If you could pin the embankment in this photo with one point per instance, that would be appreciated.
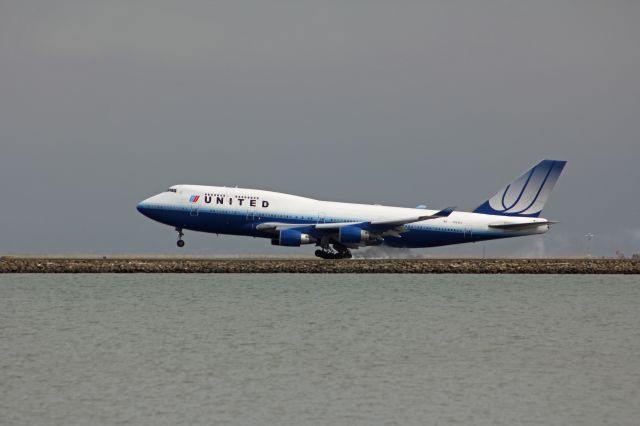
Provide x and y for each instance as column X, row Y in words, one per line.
column 313, row 266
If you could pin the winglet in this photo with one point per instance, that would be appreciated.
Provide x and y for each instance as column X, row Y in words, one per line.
column 445, row 212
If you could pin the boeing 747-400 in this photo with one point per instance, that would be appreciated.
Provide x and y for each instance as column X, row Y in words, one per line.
column 290, row 220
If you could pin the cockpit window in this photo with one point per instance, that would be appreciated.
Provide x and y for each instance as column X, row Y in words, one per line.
column 172, row 190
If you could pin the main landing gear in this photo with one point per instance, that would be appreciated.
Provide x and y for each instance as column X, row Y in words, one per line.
column 338, row 252
column 324, row 254
column 180, row 242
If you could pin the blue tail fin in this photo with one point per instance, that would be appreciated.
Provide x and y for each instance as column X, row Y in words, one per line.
column 526, row 195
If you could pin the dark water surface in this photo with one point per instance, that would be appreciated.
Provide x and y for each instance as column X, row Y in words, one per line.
column 328, row 349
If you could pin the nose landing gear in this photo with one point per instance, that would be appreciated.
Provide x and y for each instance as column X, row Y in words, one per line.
column 180, row 242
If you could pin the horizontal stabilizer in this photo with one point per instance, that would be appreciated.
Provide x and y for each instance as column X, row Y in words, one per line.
column 520, row 226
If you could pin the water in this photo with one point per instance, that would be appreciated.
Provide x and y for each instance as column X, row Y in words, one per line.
column 328, row 349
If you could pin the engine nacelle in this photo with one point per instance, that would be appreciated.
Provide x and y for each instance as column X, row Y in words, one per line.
column 292, row 238
column 353, row 235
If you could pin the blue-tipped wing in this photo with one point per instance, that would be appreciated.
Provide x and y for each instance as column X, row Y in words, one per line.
column 526, row 195
column 374, row 226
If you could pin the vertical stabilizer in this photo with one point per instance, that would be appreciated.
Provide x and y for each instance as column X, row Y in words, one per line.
column 526, row 195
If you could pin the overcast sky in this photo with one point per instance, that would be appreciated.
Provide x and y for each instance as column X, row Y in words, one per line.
column 104, row 103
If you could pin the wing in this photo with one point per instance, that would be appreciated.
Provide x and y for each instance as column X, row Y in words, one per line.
column 398, row 222
column 379, row 228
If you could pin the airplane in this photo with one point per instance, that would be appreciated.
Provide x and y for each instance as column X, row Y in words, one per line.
column 336, row 228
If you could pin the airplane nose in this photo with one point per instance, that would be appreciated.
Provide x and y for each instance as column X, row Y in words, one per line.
column 153, row 207
column 144, row 207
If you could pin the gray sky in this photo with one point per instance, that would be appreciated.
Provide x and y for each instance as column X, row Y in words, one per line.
column 441, row 103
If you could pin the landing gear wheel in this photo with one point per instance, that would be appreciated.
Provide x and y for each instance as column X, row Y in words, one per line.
column 180, row 242
column 343, row 251
column 326, row 254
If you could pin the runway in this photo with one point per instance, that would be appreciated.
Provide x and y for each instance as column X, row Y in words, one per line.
column 312, row 266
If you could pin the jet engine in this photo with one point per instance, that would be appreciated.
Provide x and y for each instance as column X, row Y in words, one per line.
column 292, row 238
column 353, row 235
